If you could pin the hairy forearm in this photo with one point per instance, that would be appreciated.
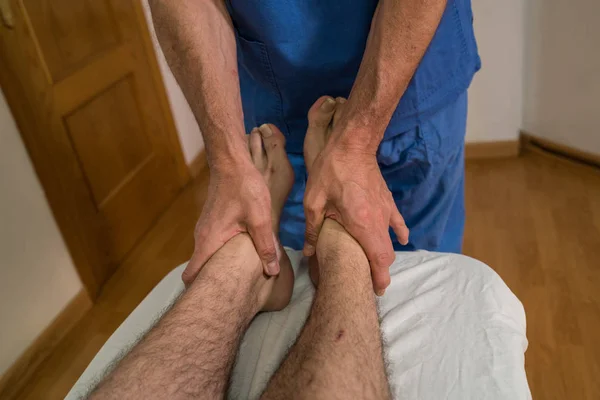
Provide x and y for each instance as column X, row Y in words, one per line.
column 339, row 352
column 198, row 41
column 400, row 34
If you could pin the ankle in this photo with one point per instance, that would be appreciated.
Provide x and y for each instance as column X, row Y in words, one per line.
column 335, row 248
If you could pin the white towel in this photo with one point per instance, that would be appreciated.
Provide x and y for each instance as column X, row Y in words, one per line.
column 453, row 330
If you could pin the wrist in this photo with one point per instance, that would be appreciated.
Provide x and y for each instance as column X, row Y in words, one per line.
column 350, row 151
column 355, row 137
column 229, row 162
column 226, row 149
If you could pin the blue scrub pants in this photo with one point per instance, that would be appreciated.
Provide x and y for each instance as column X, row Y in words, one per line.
column 424, row 170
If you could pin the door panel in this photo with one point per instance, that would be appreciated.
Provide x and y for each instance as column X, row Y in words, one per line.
column 82, row 81
column 85, row 83
column 110, row 127
column 70, row 33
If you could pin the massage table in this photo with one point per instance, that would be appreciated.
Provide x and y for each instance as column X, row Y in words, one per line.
column 452, row 330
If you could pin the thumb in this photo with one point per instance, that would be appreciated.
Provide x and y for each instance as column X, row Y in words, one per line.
column 380, row 264
column 192, row 268
column 315, row 215
column 266, row 246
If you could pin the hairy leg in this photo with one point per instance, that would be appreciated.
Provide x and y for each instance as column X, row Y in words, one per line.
column 339, row 354
column 190, row 352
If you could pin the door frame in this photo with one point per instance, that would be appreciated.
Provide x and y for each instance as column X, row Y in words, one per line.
column 55, row 187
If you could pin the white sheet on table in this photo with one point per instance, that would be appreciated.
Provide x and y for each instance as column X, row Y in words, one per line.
column 453, row 330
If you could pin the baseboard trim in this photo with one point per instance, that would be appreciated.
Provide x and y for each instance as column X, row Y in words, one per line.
column 490, row 150
column 18, row 375
column 198, row 164
column 528, row 140
column 473, row 151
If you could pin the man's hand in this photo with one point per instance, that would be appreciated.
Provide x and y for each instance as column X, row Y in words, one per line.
column 346, row 184
column 238, row 201
column 199, row 43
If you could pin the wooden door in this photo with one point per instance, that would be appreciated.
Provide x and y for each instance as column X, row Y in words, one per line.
column 83, row 84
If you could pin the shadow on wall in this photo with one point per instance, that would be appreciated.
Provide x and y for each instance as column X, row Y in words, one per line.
column 187, row 127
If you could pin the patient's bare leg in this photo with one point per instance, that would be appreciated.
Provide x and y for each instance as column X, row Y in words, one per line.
column 190, row 352
column 339, row 352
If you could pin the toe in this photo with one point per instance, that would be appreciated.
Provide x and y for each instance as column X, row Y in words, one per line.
column 320, row 117
column 257, row 150
column 280, row 174
column 339, row 108
column 321, row 113
column 274, row 142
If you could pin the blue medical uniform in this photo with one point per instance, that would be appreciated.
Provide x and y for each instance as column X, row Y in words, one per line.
column 291, row 52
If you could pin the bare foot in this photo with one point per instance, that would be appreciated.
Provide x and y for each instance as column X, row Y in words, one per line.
column 322, row 116
column 267, row 149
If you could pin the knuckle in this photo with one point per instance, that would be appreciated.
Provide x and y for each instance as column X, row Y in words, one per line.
column 309, row 225
column 312, row 229
column 261, row 224
column 311, row 237
column 188, row 276
column 383, row 281
column 361, row 220
column 363, row 214
column 310, row 222
column 309, row 198
column 390, row 196
column 383, row 259
column 268, row 252
column 311, row 210
column 311, row 233
column 392, row 258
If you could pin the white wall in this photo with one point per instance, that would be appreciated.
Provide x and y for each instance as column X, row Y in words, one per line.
column 562, row 72
column 496, row 94
column 187, row 127
column 37, row 276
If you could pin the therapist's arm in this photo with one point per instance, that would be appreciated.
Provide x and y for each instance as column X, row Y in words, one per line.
column 198, row 41
column 400, row 34
column 346, row 183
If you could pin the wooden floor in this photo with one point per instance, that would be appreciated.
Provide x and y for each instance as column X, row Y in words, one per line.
column 168, row 244
column 535, row 220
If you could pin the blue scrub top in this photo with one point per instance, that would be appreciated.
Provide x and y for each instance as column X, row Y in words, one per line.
column 291, row 52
